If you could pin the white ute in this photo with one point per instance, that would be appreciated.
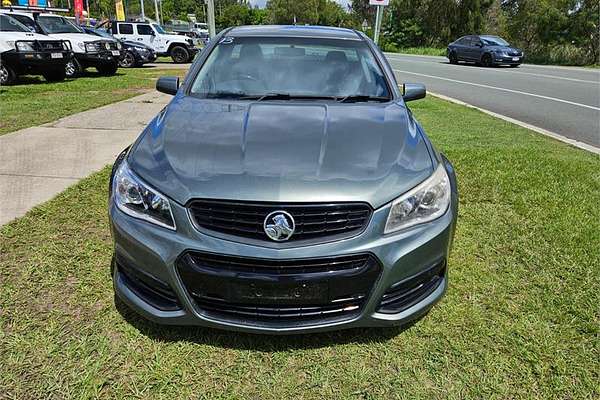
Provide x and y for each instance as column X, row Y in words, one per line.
column 88, row 50
column 24, row 52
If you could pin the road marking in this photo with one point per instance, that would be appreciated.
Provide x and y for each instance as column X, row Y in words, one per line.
column 501, row 89
column 507, row 71
column 550, row 76
column 572, row 142
column 579, row 69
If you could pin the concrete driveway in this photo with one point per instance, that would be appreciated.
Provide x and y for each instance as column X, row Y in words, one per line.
column 38, row 163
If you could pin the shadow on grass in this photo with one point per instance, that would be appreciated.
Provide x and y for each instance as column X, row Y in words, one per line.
column 39, row 80
column 257, row 342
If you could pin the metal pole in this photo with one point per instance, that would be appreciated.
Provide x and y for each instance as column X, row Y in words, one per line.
column 87, row 6
column 211, row 18
column 377, row 24
column 142, row 10
column 156, row 11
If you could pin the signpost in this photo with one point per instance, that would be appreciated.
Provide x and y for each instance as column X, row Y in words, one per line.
column 210, row 18
column 379, row 4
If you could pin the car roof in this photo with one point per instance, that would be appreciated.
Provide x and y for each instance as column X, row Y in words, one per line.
column 312, row 31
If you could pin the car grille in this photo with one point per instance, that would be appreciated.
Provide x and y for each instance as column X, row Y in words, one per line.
column 317, row 221
column 50, row 45
column 288, row 292
column 105, row 46
column 408, row 292
column 514, row 53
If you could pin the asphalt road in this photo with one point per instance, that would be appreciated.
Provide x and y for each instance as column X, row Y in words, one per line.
column 561, row 100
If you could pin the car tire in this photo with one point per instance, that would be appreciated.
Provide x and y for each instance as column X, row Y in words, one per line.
column 55, row 75
column 128, row 60
column 179, row 54
column 486, row 60
column 73, row 68
column 453, row 58
column 7, row 75
column 107, row 69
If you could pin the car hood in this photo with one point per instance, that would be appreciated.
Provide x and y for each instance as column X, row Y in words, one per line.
column 130, row 43
column 79, row 37
column 174, row 38
column 282, row 151
column 14, row 36
column 505, row 48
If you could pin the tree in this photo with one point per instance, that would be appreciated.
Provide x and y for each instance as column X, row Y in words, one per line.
column 313, row 12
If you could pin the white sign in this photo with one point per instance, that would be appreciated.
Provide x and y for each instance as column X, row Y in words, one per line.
column 379, row 2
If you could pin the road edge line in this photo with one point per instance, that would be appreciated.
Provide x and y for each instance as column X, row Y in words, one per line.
column 545, row 132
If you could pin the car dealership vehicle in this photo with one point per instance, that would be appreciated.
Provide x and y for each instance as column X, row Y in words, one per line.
column 285, row 188
column 23, row 52
column 88, row 50
column 133, row 54
column 486, row 50
column 180, row 48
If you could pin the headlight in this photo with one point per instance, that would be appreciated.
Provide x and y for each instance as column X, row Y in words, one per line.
column 91, row 47
column 25, row 46
column 119, row 46
column 135, row 198
column 81, row 45
column 426, row 202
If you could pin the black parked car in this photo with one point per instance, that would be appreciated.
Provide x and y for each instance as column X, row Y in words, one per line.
column 133, row 54
column 484, row 50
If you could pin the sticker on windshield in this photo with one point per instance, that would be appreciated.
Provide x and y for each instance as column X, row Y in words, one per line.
column 226, row 40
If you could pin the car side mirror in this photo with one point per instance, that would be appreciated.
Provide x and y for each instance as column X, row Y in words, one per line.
column 168, row 84
column 413, row 91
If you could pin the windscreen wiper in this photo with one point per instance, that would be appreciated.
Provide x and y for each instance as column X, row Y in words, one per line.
column 288, row 96
column 224, row 94
column 354, row 98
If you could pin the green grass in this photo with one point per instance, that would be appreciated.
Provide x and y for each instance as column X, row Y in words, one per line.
column 33, row 101
column 423, row 51
column 520, row 319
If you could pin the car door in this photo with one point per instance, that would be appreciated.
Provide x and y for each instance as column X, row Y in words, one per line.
column 460, row 48
column 476, row 48
column 124, row 31
column 145, row 34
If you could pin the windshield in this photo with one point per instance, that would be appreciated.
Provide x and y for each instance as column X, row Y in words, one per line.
column 8, row 24
column 308, row 67
column 57, row 25
column 159, row 29
column 101, row 32
column 494, row 41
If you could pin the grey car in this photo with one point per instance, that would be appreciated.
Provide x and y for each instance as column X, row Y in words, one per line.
column 485, row 50
column 285, row 188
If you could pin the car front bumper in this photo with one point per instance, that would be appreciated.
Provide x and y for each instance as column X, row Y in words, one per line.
column 102, row 57
column 147, row 272
column 36, row 60
column 508, row 60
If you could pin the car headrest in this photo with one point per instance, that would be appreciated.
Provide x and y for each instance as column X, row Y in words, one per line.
column 251, row 51
column 336, row 56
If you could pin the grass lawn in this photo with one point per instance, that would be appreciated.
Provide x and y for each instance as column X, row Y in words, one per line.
column 33, row 101
column 520, row 319
column 422, row 51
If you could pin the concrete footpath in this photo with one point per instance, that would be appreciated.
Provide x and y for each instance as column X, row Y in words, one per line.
column 38, row 163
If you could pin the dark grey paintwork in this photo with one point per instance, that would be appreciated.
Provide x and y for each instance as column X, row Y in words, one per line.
column 282, row 151
column 293, row 151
